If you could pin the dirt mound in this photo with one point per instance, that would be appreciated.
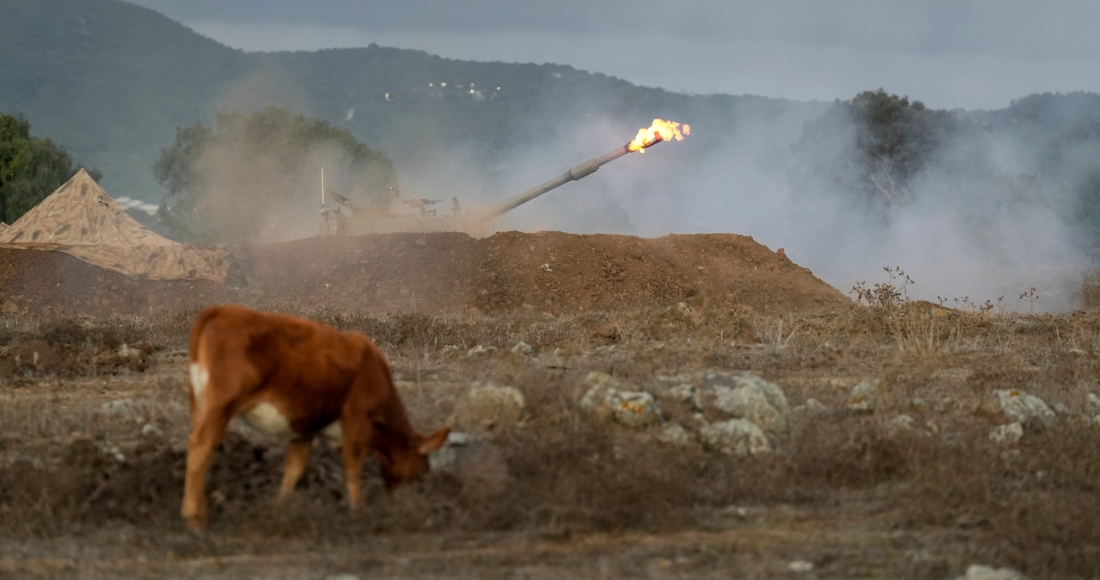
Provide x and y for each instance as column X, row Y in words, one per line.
column 546, row 271
column 453, row 273
column 36, row 280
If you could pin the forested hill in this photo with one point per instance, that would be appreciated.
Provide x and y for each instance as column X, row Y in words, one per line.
column 108, row 80
column 111, row 81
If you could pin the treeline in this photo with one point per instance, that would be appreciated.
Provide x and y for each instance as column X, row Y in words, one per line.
column 882, row 152
column 254, row 175
column 30, row 168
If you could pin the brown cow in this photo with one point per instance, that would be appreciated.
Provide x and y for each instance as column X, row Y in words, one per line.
column 296, row 378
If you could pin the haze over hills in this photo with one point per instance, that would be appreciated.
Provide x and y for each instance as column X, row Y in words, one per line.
column 111, row 81
column 994, row 201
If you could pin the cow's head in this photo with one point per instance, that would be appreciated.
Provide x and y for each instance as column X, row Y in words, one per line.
column 408, row 461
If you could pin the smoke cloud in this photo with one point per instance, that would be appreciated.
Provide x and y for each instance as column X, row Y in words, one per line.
column 968, row 233
column 974, row 231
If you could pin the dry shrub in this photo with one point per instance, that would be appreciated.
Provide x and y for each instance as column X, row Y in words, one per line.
column 566, row 475
column 94, row 332
column 1034, row 506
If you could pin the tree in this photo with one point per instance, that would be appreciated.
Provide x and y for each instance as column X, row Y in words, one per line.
column 257, row 176
column 877, row 146
column 1061, row 133
column 30, row 169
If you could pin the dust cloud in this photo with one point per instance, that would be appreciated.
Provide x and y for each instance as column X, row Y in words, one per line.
column 268, row 195
column 966, row 234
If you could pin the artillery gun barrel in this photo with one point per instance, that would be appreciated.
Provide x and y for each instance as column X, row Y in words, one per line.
column 578, row 171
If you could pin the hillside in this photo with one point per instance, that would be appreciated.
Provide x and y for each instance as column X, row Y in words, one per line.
column 111, row 81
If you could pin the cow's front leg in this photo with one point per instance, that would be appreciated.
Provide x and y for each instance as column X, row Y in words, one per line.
column 206, row 432
column 356, row 442
column 297, row 456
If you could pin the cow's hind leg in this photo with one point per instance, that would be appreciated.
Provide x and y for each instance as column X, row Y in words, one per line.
column 297, row 456
column 207, row 429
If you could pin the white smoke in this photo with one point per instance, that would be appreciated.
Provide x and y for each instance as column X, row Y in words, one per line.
column 961, row 236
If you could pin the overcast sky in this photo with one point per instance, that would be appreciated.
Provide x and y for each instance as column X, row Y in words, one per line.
column 947, row 53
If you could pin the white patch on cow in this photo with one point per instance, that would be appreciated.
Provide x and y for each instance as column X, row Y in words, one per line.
column 199, row 378
column 266, row 417
column 334, row 432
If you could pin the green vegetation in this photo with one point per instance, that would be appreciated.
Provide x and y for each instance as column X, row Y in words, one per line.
column 30, row 169
column 249, row 172
column 876, row 146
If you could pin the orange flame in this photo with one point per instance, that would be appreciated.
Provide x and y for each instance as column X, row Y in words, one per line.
column 660, row 130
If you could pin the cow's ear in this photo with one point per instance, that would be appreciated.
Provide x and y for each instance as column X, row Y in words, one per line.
column 434, row 441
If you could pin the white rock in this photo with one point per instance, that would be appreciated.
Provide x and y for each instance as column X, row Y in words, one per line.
column 901, row 423
column 812, row 407
column 750, row 403
column 596, row 380
column 475, row 460
column 815, row 407
column 747, row 396
column 733, row 511
column 979, row 572
column 633, row 408
column 490, row 404
column 676, row 435
column 1023, row 408
column 800, row 566
column 118, row 407
column 862, row 399
column 151, row 430
column 1007, row 434
column 735, row 437
column 627, row 407
column 1092, row 405
column 687, row 393
column 480, row 350
column 447, row 456
column 107, row 447
column 522, row 348
column 125, row 351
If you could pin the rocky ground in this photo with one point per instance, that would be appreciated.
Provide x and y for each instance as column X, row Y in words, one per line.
column 680, row 440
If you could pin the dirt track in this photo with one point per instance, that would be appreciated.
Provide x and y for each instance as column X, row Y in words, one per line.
column 449, row 273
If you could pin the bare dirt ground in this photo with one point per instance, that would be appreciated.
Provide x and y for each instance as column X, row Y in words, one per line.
column 92, row 447
column 444, row 273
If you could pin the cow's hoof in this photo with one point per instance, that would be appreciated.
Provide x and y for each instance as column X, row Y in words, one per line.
column 196, row 525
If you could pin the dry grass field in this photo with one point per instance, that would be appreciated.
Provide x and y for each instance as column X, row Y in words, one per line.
column 92, row 451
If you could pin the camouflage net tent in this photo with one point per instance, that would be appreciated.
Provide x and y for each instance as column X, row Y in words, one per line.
column 80, row 219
